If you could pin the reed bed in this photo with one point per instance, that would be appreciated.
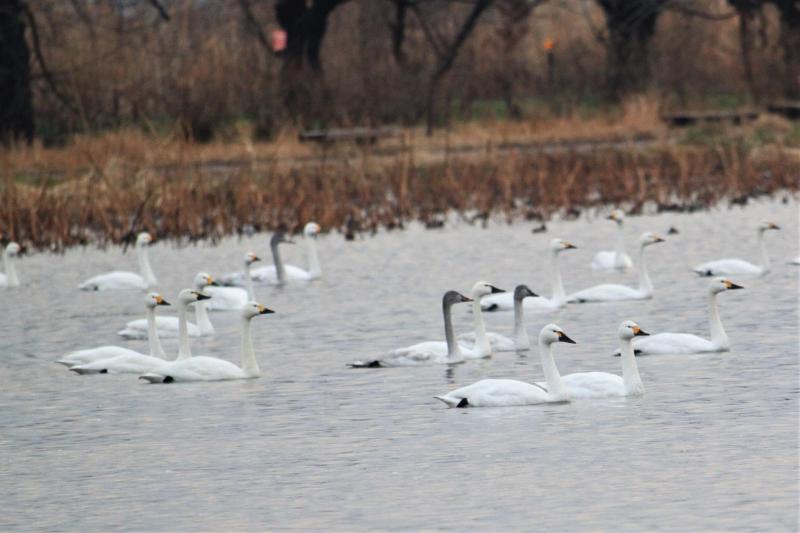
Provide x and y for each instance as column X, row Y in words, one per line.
column 112, row 201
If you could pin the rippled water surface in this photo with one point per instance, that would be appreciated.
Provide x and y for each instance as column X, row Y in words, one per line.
column 314, row 444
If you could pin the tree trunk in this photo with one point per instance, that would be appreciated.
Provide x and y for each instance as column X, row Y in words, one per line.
column 16, row 108
column 631, row 26
column 790, row 40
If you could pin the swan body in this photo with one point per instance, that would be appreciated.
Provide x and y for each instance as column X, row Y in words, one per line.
column 169, row 326
column 520, row 341
column 204, row 368
column 279, row 273
column 732, row 267
column 685, row 343
column 83, row 359
column 610, row 292
column 604, row 385
column 509, row 392
column 795, row 261
column 430, row 352
column 233, row 298
column 616, row 259
column 506, row 301
column 10, row 278
column 121, row 280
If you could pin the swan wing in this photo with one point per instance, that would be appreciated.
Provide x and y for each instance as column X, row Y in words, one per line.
column 499, row 343
column 594, row 385
column 672, row 343
column 502, row 301
column 114, row 281
column 496, row 393
column 728, row 267
column 121, row 364
column 225, row 298
column 607, row 292
column 90, row 355
column 605, row 260
column 200, row 368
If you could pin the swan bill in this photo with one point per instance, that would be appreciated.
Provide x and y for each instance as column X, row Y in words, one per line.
column 366, row 364
column 639, row 332
column 562, row 337
column 495, row 290
column 731, row 285
column 463, row 403
column 264, row 311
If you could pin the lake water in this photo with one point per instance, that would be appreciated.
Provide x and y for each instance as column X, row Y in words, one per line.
column 713, row 445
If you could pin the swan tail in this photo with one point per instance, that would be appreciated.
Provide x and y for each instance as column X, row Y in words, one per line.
column 453, row 402
column 87, row 371
column 156, row 378
column 88, row 287
column 365, row 364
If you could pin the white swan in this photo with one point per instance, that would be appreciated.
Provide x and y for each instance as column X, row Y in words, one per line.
column 478, row 341
column 204, row 368
column 520, row 341
column 431, row 352
column 795, row 261
column 135, row 363
column 730, row 267
column 506, row 301
column 92, row 355
column 685, row 343
column 508, row 392
column 233, row 298
column 603, row 384
column 610, row 292
column 617, row 259
column 278, row 273
column 120, row 280
column 10, row 278
column 168, row 325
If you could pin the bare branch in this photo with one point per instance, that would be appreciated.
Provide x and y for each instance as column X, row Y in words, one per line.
column 161, row 11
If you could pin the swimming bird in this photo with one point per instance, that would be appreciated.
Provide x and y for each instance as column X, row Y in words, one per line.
column 731, row 267
column 122, row 280
column 430, row 352
column 10, row 278
column 233, row 298
column 611, row 292
column 685, row 343
column 168, row 325
column 603, row 384
column 501, row 343
column 202, row 368
column 616, row 259
column 508, row 392
column 82, row 357
column 506, row 301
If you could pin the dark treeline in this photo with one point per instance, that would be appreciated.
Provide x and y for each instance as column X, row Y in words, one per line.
column 201, row 67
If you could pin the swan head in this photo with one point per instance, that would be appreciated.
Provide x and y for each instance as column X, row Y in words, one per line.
column 482, row 288
column 522, row 291
column 279, row 237
column 559, row 245
column 630, row 329
column 721, row 284
column 143, row 239
column 617, row 215
column 202, row 279
column 253, row 309
column 154, row 299
column 767, row 225
column 189, row 296
column 551, row 334
column 649, row 238
column 453, row 297
column 12, row 249
column 311, row 229
column 250, row 258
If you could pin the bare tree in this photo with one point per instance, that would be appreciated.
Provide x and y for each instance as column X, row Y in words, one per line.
column 16, row 108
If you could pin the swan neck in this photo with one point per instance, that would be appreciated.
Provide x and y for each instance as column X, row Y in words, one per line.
column 249, row 363
column 280, row 272
column 11, row 270
column 619, row 253
column 718, row 335
column 645, row 285
column 559, row 296
column 184, row 352
column 480, row 329
column 153, row 341
column 551, row 375
column 521, row 341
column 453, row 350
column 201, row 317
column 248, row 283
column 762, row 248
column 314, row 268
column 144, row 266
column 630, row 370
